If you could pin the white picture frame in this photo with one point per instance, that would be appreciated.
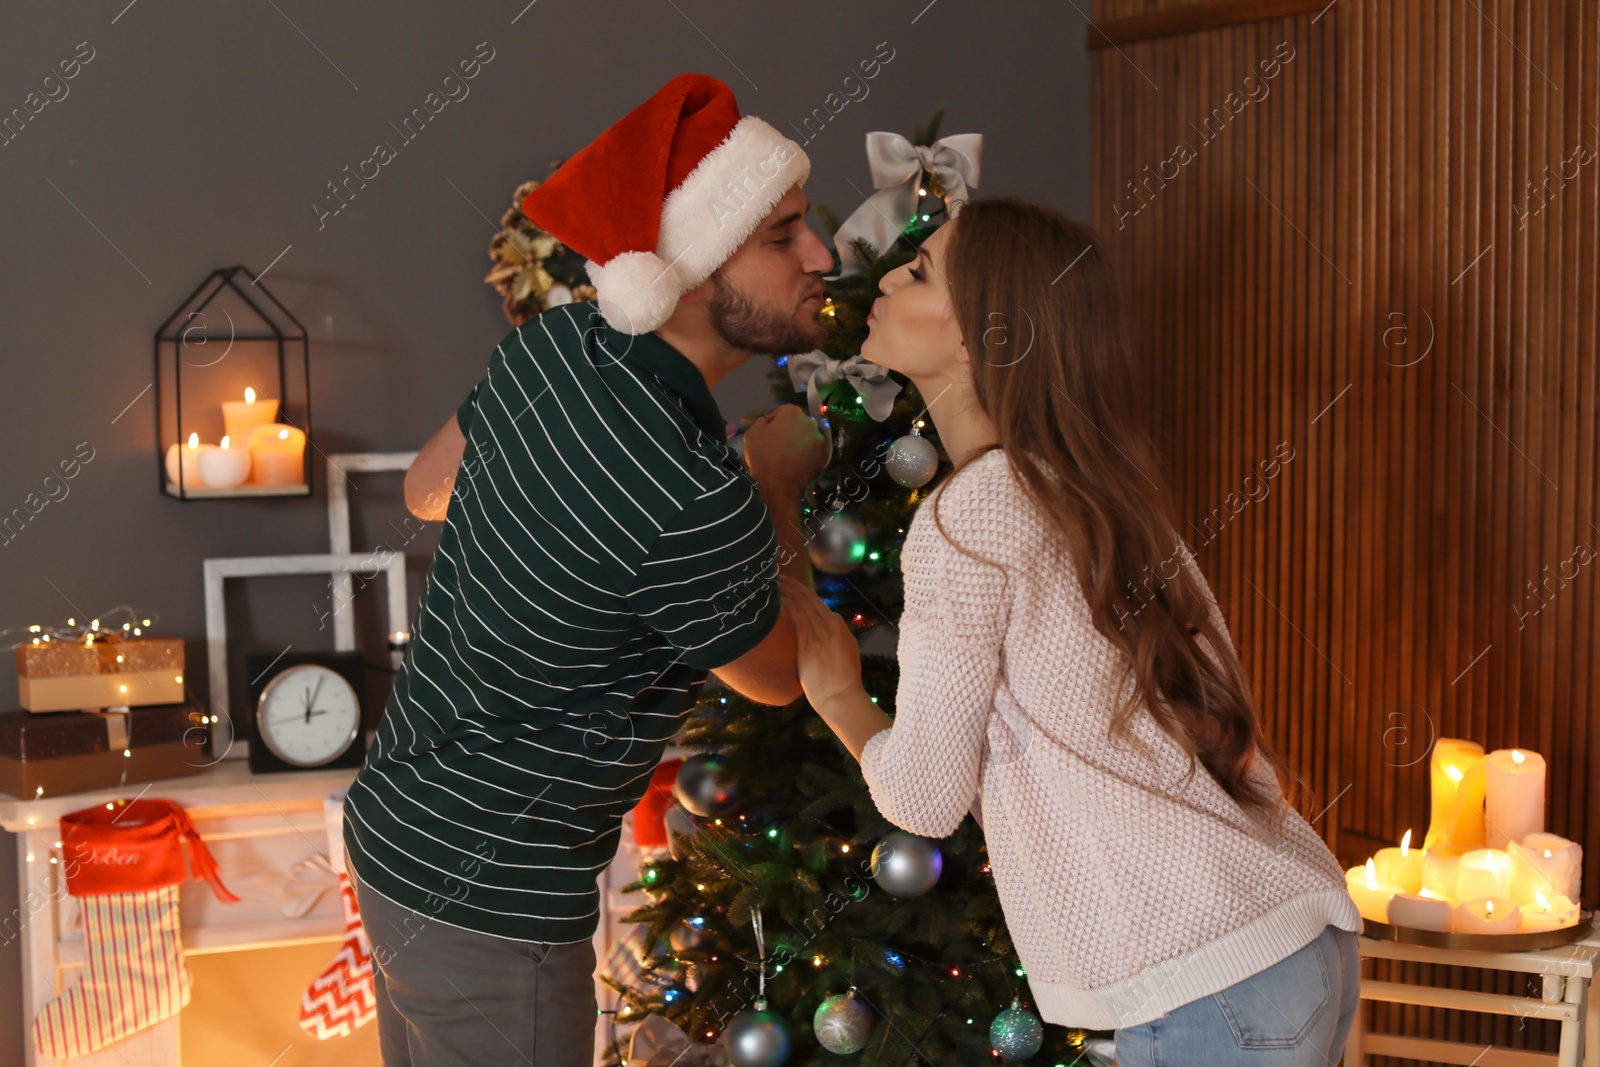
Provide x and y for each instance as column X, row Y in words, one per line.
column 341, row 466
column 337, row 564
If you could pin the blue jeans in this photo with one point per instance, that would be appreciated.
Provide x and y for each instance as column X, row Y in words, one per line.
column 1296, row 1013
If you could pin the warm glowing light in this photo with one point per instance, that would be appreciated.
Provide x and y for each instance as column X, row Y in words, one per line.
column 194, row 440
column 1405, row 845
column 1517, row 757
column 1454, row 773
column 1372, row 875
column 1430, row 894
column 224, row 440
column 1544, row 901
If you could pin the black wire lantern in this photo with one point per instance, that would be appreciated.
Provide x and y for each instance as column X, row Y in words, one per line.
column 210, row 357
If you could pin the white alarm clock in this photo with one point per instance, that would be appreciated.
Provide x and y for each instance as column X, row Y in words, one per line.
column 309, row 715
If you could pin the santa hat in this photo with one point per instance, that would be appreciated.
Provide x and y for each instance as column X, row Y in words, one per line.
column 665, row 196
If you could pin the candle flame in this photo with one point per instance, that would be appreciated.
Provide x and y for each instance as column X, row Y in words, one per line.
column 249, row 395
column 1544, row 901
column 1488, row 909
column 1454, row 772
column 1426, row 892
column 283, row 435
column 1372, row 875
column 194, row 440
column 224, row 440
column 1405, row 845
column 1546, row 853
column 1517, row 757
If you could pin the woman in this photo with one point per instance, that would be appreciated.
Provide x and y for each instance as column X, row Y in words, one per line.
column 1064, row 663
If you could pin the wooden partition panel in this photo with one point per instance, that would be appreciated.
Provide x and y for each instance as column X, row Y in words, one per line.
column 1362, row 235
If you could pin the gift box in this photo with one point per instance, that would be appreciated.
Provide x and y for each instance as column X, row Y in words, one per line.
column 76, row 751
column 106, row 672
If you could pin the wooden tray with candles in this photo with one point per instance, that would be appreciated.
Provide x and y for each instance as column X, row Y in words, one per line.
column 1517, row 942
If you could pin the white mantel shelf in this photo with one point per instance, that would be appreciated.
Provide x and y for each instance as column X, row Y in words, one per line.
column 258, row 826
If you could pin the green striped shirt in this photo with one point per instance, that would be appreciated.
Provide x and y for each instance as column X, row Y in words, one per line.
column 603, row 548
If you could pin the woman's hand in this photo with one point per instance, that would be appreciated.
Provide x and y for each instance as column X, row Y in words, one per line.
column 826, row 652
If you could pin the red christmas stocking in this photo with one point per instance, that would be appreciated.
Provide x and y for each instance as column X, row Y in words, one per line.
column 342, row 998
column 125, row 866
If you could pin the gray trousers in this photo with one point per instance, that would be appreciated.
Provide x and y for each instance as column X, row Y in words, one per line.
column 449, row 997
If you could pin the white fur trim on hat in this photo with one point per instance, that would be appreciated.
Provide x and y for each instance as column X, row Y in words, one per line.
column 720, row 203
column 637, row 290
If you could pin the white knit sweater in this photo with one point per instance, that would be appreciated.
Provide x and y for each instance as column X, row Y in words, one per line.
column 1128, row 892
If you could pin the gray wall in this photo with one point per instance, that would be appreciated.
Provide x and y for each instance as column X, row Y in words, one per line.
column 200, row 135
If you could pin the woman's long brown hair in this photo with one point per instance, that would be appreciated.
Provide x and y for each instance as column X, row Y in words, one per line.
column 1039, row 309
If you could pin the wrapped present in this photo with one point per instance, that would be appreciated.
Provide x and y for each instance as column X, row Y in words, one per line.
column 76, row 751
column 104, row 670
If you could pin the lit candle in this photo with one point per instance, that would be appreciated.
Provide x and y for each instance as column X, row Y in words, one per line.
column 277, row 455
column 239, row 417
column 1548, row 912
column 1370, row 894
column 1439, row 869
column 190, row 459
column 224, row 467
column 1484, row 872
column 1545, row 863
column 1400, row 865
column 1457, row 776
column 1420, row 911
column 1487, row 916
column 1513, row 802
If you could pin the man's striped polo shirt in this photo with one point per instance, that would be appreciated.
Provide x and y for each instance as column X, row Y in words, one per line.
column 602, row 549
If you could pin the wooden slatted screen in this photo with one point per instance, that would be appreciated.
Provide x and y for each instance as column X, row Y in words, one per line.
column 1366, row 231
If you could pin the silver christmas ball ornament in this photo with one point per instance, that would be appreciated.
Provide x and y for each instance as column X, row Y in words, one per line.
column 912, row 460
column 1016, row 1033
column 906, row 865
column 691, row 935
column 843, row 1023
column 757, row 1037
column 838, row 544
column 703, row 787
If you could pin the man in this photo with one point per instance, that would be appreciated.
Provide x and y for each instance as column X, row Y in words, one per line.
column 603, row 549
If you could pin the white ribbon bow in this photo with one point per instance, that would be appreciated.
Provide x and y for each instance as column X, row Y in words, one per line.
column 308, row 880
column 814, row 369
column 896, row 165
column 658, row 1043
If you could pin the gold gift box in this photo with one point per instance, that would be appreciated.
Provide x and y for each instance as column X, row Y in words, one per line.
column 108, row 673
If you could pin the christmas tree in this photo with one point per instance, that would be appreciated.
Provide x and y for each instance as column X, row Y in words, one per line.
column 771, row 895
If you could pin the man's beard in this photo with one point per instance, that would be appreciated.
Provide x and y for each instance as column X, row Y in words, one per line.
column 745, row 325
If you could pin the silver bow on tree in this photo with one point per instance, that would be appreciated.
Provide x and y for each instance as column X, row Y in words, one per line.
column 656, row 1042
column 812, row 370
column 897, row 166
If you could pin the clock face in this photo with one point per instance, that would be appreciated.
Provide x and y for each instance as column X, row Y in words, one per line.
column 308, row 715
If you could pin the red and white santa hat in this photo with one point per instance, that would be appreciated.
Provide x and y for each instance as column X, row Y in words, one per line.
column 665, row 196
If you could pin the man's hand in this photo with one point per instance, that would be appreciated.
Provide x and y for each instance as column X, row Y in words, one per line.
column 785, row 448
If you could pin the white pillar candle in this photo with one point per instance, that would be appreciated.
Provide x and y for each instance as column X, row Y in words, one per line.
column 1439, row 868
column 1548, row 911
column 1513, row 799
column 277, row 455
column 189, row 456
column 1456, row 772
column 239, row 417
column 1487, row 916
column 1420, row 911
column 1402, row 866
column 1484, row 872
column 1546, row 863
column 224, row 467
column 1370, row 894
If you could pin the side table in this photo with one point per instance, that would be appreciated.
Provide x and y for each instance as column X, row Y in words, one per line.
column 1566, row 992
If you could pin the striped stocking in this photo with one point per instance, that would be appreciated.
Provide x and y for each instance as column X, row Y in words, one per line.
column 343, row 997
column 134, row 974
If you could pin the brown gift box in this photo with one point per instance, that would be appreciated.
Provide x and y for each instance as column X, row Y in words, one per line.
column 77, row 751
column 71, row 675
